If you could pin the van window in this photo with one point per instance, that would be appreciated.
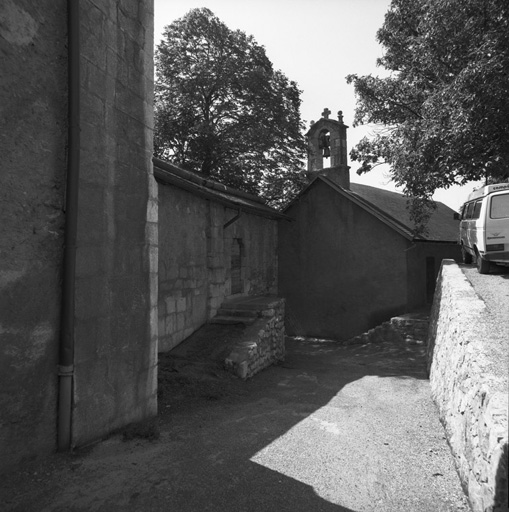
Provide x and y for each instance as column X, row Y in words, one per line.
column 477, row 209
column 470, row 209
column 500, row 207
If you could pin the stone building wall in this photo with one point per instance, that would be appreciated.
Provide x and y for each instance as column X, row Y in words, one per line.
column 33, row 137
column 469, row 389
column 195, row 260
column 258, row 240
column 116, row 322
column 333, row 260
column 182, row 265
column 116, row 260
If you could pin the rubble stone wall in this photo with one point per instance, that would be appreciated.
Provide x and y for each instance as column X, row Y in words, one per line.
column 409, row 328
column 471, row 395
column 263, row 343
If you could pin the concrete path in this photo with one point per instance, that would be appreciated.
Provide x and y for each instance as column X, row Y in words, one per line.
column 335, row 428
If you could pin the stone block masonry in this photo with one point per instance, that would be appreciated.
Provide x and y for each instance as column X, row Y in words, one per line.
column 115, row 328
column 469, row 390
column 116, row 290
column 195, row 260
column 33, row 140
column 262, row 344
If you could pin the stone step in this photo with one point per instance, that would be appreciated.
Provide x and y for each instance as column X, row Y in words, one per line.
column 236, row 312
column 251, row 303
column 232, row 320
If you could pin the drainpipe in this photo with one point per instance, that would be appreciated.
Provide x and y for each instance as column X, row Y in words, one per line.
column 66, row 353
column 234, row 219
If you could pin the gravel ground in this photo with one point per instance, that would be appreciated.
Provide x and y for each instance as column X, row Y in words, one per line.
column 333, row 429
column 493, row 289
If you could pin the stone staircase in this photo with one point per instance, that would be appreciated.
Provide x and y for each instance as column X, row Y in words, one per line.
column 243, row 310
column 233, row 316
column 263, row 340
column 411, row 328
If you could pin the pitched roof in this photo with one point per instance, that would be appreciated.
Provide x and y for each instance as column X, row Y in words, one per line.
column 200, row 185
column 441, row 227
column 391, row 208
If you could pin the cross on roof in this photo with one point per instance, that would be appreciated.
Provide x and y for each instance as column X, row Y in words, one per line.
column 326, row 112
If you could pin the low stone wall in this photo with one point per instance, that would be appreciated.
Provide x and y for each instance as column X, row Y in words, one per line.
column 262, row 344
column 471, row 398
column 409, row 328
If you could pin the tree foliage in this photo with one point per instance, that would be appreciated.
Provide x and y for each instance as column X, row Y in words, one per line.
column 445, row 104
column 221, row 108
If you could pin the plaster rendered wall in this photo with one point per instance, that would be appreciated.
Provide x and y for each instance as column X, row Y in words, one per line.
column 416, row 261
column 116, row 269
column 33, row 134
column 195, row 260
column 469, row 386
column 341, row 270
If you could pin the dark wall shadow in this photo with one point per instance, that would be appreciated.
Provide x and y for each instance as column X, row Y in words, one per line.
column 501, row 500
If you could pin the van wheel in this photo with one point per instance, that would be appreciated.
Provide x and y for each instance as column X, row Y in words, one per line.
column 466, row 256
column 483, row 266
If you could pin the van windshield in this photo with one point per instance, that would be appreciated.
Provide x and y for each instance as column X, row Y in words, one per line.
column 500, row 207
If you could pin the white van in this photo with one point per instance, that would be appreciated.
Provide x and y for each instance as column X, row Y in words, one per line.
column 484, row 227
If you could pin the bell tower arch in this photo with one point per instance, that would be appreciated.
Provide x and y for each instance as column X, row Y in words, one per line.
column 327, row 149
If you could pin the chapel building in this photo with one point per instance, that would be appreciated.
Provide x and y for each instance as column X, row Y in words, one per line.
column 349, row 259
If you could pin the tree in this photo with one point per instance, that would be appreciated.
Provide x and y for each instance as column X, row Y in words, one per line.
column 221, row 108
column 444, row 107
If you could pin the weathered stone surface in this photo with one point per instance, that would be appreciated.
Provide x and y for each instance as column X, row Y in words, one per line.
column 263, row 343
column 472, row 399
column 116, row 363
column 410, row 328
column 116, row 261
column 33, row 139
column 195, row 259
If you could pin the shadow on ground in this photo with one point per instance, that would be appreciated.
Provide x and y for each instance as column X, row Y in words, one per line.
column 334, row 428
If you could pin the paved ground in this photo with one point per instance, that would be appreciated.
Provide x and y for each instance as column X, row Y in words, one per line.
column 335, row 428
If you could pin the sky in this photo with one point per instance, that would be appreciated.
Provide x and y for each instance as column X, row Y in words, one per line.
column 315, row 43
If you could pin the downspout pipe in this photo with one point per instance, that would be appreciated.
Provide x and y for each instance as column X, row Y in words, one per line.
column 66, row 352
column 234, row 219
